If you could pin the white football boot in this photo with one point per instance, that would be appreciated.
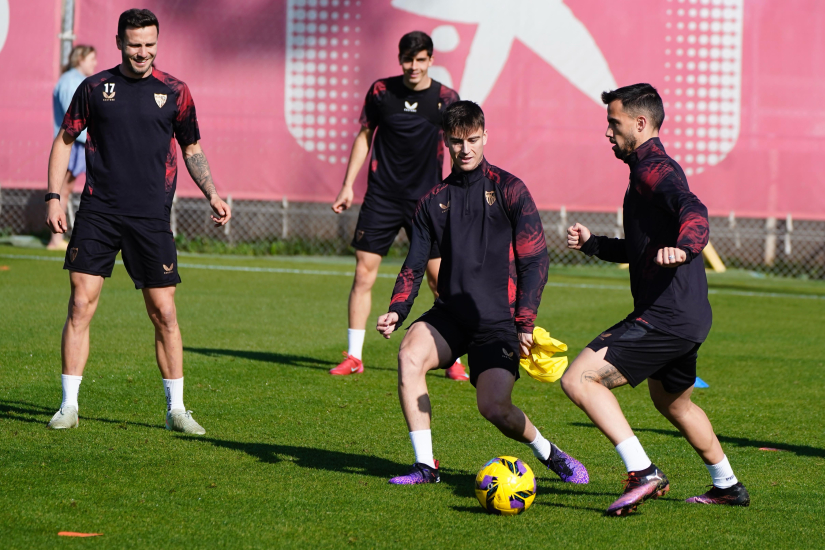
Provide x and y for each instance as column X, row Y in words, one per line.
column 179, row 420
column 65, row 418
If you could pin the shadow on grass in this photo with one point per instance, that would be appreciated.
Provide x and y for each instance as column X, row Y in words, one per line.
column 12, row 410
column 309, row 457
column 799, row 450
column 271, row 357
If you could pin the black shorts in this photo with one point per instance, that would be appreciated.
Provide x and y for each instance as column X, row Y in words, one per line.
column 639, row 351
column 147, row 245
column 380, row 221
column 486, row 349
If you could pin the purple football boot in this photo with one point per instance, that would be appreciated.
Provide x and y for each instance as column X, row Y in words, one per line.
column 420, row 473
column 735, row 495
column 566, row 467
column 638, row 487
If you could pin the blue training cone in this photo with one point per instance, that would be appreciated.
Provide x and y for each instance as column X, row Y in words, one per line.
column 700, row 383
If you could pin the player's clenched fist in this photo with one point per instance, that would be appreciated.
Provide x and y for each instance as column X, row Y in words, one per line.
column 670, row 257
column 577, row 235
column 386, row 324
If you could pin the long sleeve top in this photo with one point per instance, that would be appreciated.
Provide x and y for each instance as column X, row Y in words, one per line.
column 493, row 251
column 660, row 211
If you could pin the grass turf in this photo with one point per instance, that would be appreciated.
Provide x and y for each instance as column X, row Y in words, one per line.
column 296, row 458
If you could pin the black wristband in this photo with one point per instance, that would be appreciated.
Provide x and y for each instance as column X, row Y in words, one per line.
column 50, row 196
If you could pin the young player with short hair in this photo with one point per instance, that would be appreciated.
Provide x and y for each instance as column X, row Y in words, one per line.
column 666, row 228
column 133, row 114
column 404, row 114
column 493, row 270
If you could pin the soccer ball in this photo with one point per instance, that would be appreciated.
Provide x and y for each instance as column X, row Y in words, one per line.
column 505, row 486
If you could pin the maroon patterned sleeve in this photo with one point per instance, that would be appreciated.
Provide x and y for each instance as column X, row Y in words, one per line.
column 447, row 97
column 529, row 252
column 665, row 186
column 409, row 280
column 76, row 118
column 370, row 113
column 185, row 125
column 187, row 131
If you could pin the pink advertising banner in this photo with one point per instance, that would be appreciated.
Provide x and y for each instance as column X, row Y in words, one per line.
column 279, row 84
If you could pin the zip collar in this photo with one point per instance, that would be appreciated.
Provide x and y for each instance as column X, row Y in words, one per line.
column 466, row 179
column 650, row 148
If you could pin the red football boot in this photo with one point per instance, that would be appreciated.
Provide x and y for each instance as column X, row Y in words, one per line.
column 456, row 372
column 350, row 365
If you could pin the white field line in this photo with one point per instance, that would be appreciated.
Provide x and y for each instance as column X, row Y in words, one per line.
column 215, row 267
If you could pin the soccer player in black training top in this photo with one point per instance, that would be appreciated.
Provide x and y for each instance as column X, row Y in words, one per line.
column 133, row 114
column 666, row 228
column 404, row 113
column 493, row 270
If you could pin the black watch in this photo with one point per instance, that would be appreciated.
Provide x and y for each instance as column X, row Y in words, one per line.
column 50, row 196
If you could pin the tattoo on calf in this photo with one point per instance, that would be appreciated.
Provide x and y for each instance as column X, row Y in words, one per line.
column 608, row 376
column 198, row 168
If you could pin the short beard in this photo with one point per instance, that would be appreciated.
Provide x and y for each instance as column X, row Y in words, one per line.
column 629, row 146
column 128, row 62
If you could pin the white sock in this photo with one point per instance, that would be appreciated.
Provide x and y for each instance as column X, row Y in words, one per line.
column 722, row 474
column 174, row 393
column 71, row 387
column 458, row 360
column 633, row 455
column 355, row 340
column 422, row 442
column 540, row 446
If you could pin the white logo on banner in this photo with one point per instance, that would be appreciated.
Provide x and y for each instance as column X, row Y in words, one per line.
column 547, row 27
column 703, row 83
column 324, row 92
column 4, row 22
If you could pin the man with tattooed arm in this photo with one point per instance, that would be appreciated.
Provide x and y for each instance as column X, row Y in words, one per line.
column 666, row 228
column 133, row 114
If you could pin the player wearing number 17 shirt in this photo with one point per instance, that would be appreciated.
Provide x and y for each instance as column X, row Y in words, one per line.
column 133, row 115
column 404, row 114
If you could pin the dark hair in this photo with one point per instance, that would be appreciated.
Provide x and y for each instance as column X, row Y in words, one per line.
column 136, row 18
column 462, row 118
column 637, row 99
column 413, row 42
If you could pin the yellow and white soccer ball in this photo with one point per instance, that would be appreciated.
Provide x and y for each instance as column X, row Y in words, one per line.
column 505, row 486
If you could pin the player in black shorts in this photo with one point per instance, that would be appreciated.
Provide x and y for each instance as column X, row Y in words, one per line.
column 404, row 113
column 666, row 228
column 133, row 114
column 493, row 270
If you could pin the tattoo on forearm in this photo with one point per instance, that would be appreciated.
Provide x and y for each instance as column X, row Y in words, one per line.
column 608, row 376
column 198, row 168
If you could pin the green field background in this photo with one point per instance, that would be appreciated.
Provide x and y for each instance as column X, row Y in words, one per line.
column 296, row 458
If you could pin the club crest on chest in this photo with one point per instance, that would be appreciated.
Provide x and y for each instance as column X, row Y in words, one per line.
column 160, row 99
column 491, row 197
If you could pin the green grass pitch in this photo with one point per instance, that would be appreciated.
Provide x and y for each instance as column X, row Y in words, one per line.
column 295, row 458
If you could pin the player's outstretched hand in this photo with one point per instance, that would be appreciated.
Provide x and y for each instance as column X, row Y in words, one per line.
column 670, row 257
column 386, row 324
column 577, row 235
column 222, row 211
column 525, row 340
column 344, row 200
column 55, row 217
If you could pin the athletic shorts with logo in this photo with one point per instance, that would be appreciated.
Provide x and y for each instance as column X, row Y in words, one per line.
column 380, row 221
column 146, row 244
column 495, row 348
column 639, row 351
